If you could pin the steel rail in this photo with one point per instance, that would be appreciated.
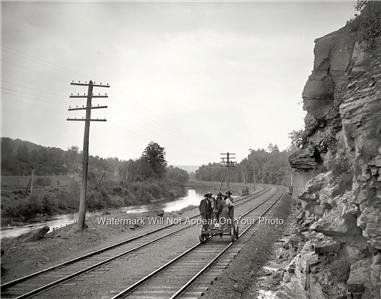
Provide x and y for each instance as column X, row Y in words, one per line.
column 18, row 280
column 131, row 288
column 241, row 201
column 187, row 284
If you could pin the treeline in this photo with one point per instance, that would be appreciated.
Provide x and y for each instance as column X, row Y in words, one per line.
column 19, row 157
column 268, row 166
column 111, row 182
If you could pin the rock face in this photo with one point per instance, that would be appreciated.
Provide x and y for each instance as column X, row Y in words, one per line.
column 340, row 208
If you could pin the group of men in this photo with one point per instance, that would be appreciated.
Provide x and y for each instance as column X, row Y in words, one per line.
column 213, row 209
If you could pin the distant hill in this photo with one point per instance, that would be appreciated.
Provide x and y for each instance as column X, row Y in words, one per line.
column 188, row 168
column 19, row 157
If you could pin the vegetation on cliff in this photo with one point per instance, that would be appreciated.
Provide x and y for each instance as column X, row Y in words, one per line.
column 366, row 25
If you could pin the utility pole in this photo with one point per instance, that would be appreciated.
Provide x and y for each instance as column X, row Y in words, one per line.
column 226, row 160
column 254, row 178
column 29, row 187
column 102, row 177
column 31, row 182
column 85, row 152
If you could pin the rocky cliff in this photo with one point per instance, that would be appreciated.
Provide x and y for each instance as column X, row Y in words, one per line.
column 339, row 255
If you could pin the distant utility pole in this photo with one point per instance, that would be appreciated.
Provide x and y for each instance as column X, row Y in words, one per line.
column 227, row 161
column 31, row 182
column 254, row 178
column 29, row 187
column 251, row 172
column 85, row 152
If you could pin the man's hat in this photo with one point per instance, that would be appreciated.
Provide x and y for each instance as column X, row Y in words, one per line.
column 219, row 194
column 206, row 195
column 228, row 193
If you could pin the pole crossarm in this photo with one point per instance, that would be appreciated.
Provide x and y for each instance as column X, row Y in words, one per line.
column 87, row 84
column 84, row 108
column 226, row 160
column 84, row 119
column 86, row 96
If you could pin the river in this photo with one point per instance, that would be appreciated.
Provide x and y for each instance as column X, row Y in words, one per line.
column 192, row 198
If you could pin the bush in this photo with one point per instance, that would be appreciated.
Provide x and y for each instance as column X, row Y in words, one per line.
column 366, row 26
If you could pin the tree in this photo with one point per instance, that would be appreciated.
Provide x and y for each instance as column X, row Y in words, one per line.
column 154, row 154
column 7, row 156
column 72, row 159
column 272, row 148
column 23, row 156
column 269, row 167
column 177, row 174
column 296, row 137
column 123, row 171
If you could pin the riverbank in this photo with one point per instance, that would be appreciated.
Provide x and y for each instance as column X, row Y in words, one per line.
column 20, row 208
column 192, row 198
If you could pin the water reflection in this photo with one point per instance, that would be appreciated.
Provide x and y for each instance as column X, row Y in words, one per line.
column 192, row 198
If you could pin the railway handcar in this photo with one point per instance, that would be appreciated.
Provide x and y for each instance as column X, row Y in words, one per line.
column 214, row 229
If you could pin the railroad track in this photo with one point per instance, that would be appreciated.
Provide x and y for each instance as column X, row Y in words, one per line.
column 180, row 276
column 40, row 281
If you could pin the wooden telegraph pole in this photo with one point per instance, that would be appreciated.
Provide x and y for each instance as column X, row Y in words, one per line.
column 226, row 160
column 31, row 182
column 85, row 152
column 29, row 187
column 254, row 178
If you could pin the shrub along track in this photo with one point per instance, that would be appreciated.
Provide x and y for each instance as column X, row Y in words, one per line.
column 180, row 276
column 42, row 280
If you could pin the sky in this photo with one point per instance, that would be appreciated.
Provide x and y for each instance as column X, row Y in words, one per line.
column 197, row 78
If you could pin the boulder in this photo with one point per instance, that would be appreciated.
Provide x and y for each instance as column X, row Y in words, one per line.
column 305, row 159
column 37, row 234
column 332, row 224
column 358, row 275
column 160, row 213
column 315, row 185
column 370, row 221
column 327, row 247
